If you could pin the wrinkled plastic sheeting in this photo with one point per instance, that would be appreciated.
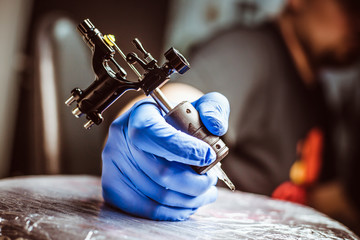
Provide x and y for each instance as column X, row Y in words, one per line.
column 71, row 207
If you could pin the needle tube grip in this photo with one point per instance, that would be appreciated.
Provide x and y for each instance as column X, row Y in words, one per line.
column 186, row 118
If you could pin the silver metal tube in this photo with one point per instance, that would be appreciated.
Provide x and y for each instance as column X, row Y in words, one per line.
column 76, row 112
column 217, row 170
column 88, row 124
column 70, row 100
column 161, row 100
column 124, row 57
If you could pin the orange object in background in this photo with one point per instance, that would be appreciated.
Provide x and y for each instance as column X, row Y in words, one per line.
column 305, row 171
column 288, row 191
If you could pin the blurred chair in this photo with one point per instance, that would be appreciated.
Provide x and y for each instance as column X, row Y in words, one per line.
column 62, row 62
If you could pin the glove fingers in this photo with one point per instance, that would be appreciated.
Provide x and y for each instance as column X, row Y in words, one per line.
column 214, row 110
column 176, row 176
column 175, row 199
column 149, row 131
column 172, row 175
column 165, row 213
column 165, row 195
column 119, row 191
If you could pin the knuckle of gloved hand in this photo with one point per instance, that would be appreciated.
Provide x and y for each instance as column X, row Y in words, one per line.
column 115, row 128
column 158, row 213
column 219, row 98
column 190, row 183
column 207, row 157
column 216, row 124
column 138, row 127
column 162, row 213
column 212, row 195
column 172, row 198
column 215, row 120
column 164, row 178
column 197, row 185
column 108, row 191
column 176, row 199
column 208, row 182
column 108, row 154
column 143, row 119
column 221, row 104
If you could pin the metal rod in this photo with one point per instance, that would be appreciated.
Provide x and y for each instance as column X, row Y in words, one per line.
column 70, row 100
column 222, row 176
column 88, row 124
column 161, row 100
column 76, row 112
column 157, row 94
column 124, row 57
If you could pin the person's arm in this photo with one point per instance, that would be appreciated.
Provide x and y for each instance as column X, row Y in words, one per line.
column 175, row 92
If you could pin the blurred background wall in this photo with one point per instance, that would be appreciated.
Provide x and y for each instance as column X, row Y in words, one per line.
column 47, row 139
column 14, row 17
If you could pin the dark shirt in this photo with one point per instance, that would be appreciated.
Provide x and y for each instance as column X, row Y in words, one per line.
column 271, row 108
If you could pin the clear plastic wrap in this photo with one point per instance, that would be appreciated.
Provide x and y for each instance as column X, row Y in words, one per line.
column 71, row 207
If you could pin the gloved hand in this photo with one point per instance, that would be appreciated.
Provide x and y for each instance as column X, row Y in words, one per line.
column 146, row 161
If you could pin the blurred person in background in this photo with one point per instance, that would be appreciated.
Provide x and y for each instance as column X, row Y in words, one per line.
column 279, row 124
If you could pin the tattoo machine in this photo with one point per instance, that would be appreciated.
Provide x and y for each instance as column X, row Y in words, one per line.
column 110, row 83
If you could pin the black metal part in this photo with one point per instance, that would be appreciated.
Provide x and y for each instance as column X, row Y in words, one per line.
column 177, row 60
column 110, row 84
column 185, row 118
column 154, row 79
column 157, row 76
column 133, row 58
column 140, row 47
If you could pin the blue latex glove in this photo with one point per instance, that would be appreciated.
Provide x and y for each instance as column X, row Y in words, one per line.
column 146, row 161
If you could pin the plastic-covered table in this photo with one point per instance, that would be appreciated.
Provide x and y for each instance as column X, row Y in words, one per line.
column 71, row 207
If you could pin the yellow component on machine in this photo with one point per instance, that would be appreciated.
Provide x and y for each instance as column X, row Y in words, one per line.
column 109, row 39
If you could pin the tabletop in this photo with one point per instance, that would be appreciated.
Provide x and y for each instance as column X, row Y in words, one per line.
column 71, row 207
